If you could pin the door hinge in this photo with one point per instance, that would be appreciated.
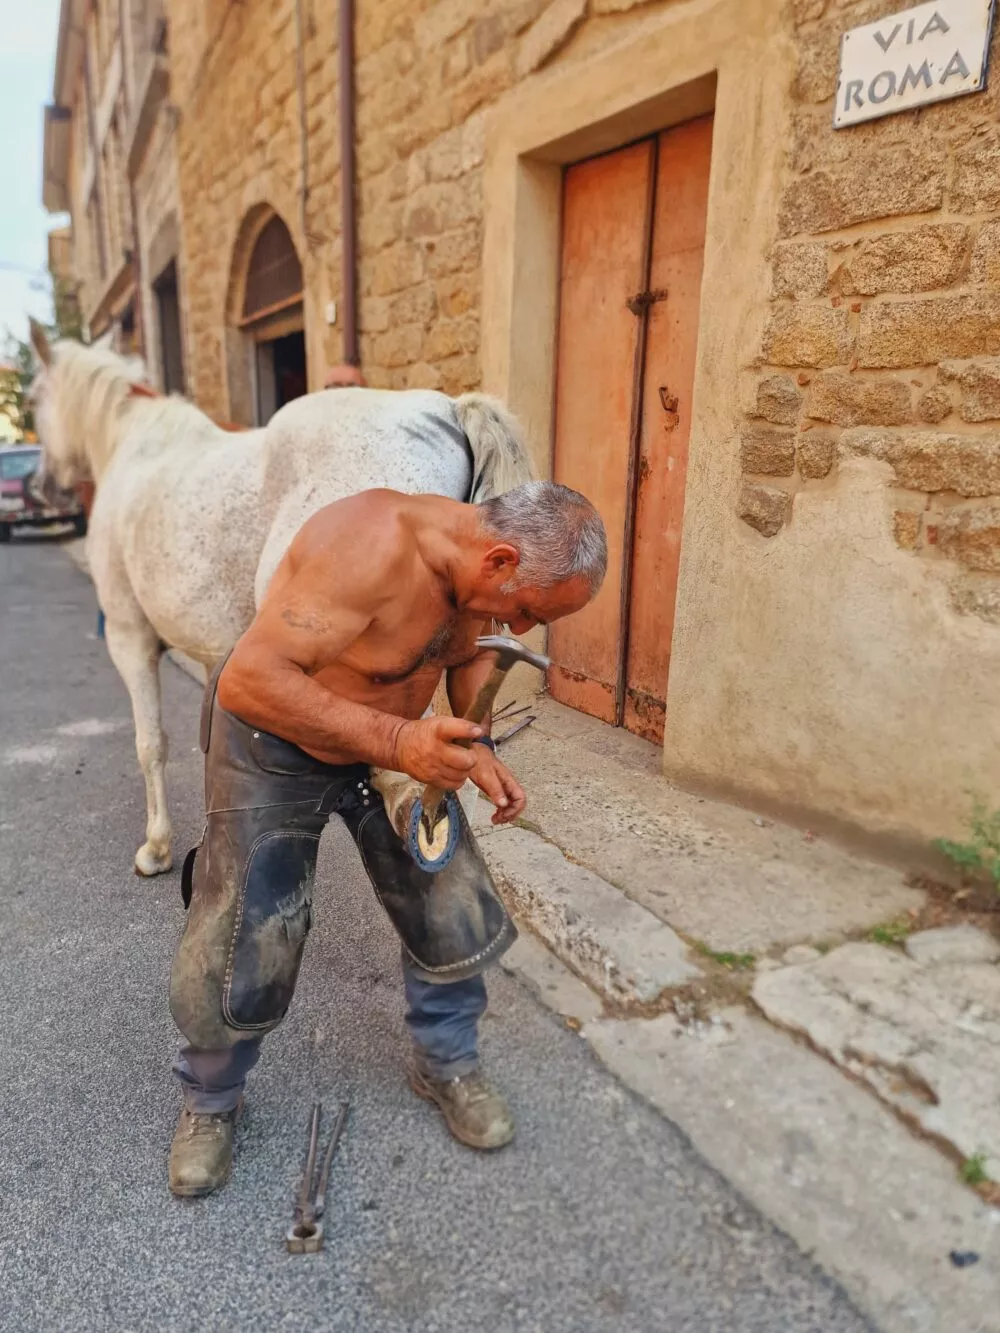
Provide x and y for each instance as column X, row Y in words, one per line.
column 643, row 300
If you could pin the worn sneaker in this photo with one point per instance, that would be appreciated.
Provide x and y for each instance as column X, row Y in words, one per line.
column 476, row 1113
column 201, row 1155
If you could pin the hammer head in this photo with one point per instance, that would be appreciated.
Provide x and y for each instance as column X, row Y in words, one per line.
column 510, row 651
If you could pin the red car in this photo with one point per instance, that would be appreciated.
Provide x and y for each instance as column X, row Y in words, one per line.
column 21, row 506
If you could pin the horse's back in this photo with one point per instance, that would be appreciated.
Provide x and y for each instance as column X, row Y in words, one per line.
column 327, row 446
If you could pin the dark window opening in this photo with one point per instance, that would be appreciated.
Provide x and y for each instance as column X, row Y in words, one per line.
column 169, row 318
column 281, row 373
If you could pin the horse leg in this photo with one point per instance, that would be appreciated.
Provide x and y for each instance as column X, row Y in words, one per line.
column 135, row 651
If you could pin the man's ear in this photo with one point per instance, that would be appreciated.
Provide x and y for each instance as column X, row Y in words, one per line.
column 503, row 558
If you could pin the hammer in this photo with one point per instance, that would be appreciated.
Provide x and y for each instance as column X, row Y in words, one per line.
column 509, row 652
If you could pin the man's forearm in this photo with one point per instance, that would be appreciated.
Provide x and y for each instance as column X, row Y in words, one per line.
column 288, row 703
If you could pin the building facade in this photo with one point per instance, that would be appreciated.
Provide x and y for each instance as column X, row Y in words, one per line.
column 110, row 162
column 769, row 349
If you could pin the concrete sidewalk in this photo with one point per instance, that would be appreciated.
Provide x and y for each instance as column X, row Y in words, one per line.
column 689, row 920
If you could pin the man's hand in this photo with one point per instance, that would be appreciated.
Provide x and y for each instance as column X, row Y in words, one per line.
column 497, row 782
column 427, row 751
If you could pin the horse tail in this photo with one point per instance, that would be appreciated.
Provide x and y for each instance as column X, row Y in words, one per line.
column 499, row 454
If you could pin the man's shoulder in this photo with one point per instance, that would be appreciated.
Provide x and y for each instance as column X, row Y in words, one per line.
column 368, row 527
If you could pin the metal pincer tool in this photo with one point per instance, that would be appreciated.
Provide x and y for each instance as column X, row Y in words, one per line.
column 305, row 1235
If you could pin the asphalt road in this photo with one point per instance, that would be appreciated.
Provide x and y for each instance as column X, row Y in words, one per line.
column 601, row 1216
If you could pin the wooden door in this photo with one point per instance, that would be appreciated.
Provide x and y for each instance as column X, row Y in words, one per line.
column 602, row 265
column 633, row 245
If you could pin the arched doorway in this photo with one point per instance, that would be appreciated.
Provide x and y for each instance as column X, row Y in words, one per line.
column 271, row 320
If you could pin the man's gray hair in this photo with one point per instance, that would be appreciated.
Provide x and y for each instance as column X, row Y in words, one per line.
column 558, row 533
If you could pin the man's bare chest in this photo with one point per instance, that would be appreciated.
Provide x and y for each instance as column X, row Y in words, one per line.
column 387, row 656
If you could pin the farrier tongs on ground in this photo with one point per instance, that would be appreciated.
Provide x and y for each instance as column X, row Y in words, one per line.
column 305, row 1235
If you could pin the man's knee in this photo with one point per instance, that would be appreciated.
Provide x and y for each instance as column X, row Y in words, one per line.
column 238, row 960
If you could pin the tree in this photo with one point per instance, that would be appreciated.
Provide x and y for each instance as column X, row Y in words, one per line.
column 17, row 368
column 16, row 374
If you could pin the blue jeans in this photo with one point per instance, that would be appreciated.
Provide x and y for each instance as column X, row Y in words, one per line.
column 443, row 1023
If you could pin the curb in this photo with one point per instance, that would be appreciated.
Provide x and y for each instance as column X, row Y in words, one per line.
column 628, row 955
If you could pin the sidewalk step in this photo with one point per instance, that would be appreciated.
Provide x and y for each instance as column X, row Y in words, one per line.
column 619, row 948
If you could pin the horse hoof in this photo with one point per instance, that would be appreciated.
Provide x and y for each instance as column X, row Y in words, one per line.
column 148, row 862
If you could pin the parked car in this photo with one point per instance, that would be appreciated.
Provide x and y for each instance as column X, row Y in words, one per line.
column 21, row 506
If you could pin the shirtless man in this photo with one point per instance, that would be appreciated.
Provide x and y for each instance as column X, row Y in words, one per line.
column 379, row 595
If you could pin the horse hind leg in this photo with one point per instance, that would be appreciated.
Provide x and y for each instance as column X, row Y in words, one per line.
column 135, row 651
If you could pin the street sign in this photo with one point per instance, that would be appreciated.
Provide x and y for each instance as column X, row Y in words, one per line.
column 926, row 54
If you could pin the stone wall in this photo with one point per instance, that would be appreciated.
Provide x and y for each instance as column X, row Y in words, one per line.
column 425, row 73
column 883, row 338
column 157, row 201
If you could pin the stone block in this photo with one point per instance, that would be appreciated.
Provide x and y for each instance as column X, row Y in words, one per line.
column 975, row 185
column 778, row 400
column 548, row 33
column 459, row 374
column 817, row 453
column 395, row 269
column 886, row 184
column 934, row 405
column 928, row 461
column 818, row 55
column 374, row 314
column 923, row 332
column 444, row 340
column 488, row 36
column 764, row 449
column 906, row 528
column 399, row 346
column 977, row 596
column 985, row 266
column 972, row 535
column 455, row 252
column 423, row 376
column 952, row 944
column 418, row 305
column 458, row 295
column 848, row 400
column 765, row 508
column 616, row 6
column 908, row 261
column 798, row 269
column 980, row 385
column 444, row 156
column 808, row 335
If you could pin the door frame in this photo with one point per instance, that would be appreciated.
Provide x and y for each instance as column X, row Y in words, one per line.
column 729, row 58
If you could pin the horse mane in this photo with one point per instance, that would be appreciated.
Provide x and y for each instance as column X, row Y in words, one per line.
column 94, row 394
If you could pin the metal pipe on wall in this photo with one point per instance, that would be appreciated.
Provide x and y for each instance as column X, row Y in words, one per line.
column 349, row 218
column 300, row 79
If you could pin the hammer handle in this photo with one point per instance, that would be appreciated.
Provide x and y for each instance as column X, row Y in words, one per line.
column 430, row 802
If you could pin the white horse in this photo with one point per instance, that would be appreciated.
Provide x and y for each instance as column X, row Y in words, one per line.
column 190, row 521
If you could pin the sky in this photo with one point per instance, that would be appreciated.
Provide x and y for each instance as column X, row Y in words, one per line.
column 27, row 57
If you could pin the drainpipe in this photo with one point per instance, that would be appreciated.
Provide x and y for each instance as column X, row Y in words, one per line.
column 300, row 78
column 349, row 221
